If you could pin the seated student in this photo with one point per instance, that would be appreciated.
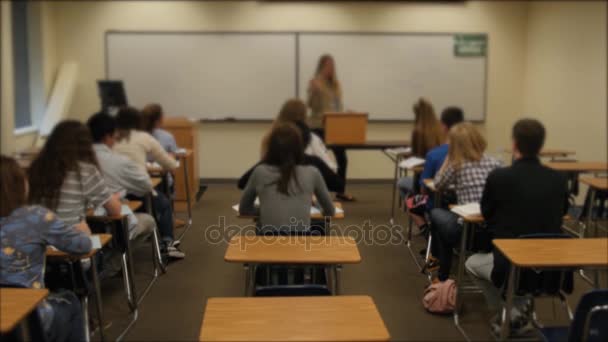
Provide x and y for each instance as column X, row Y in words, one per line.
column 284, row 185
column 426, row 135
column 294, row 111
column 466, row 169
column 525, row 198
column 153, row 120
column 137, row 145
column 26, row 232
column 122, row 174
column 65, row 175
column 435, row 158
column 332, row 180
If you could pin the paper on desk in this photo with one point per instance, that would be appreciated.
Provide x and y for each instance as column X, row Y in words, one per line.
column 411, row 163
column 95, row 241
column 124, row 210
column 180, row 150
column 316, row 211
column 398, row 150
column 469, row 209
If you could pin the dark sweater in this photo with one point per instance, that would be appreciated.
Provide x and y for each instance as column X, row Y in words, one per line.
column 332, row 180
column 525, row 198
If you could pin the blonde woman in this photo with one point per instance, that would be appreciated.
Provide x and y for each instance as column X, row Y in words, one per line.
column 325, row 95
column 427, row 134
column 466, row 169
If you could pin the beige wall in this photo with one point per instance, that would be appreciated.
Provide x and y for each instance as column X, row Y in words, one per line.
column 566, row 75
column 6, row 92
column 229, row 148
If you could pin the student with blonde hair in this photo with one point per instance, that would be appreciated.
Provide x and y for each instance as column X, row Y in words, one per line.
column 466, row 169
column 427, row 134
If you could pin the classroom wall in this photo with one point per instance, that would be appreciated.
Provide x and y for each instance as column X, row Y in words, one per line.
column 6, row 81
column 227, row 149
column 565, row 83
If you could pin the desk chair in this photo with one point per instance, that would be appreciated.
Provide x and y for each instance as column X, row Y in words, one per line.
column 589, row 323
column 33, row 329
column 292, row 290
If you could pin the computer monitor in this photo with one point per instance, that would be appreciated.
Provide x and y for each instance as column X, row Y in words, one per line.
column 112, row 94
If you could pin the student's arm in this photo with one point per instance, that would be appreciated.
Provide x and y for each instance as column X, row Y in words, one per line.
column 247, row 203
column 333, row 182
column 323, row 196
column 72, row 240
column 242, row 183
column 97, row 193
column 159, row 154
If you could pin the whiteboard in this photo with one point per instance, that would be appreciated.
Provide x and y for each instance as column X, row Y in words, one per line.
column 384, row 74
column 205, row 75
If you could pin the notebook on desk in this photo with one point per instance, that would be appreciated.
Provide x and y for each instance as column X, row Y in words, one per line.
column 467, row 210
column 411, row 163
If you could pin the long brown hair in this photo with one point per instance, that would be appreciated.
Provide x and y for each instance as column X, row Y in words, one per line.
column 427, row 130
column 70, row 142
column 151, row 115
column 466, row 144
column 333, row 80
column 285, row 151
column 13, row 190
column 293, row 111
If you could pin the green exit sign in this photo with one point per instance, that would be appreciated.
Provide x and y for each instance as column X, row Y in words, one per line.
column 470, row 45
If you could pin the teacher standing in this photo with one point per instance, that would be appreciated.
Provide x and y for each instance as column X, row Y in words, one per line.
column 325, row 95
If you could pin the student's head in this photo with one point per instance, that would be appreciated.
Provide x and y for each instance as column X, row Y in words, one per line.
column 423, row 111
column 68, row 144
column 285, row 151
column 427, row 127
column 466, row 144
column 450, row 117
column 13, row 193
column 528, row 138
column 103, row 128
column 127, row 119
column 326, row 68
column 292, row 110
column 152, row 117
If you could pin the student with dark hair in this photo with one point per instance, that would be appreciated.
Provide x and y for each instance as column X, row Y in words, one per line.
column 524, row 198
column 152, row 122
column 124, row 174
column 65, row 176
column 284, row 185
column 25, row 233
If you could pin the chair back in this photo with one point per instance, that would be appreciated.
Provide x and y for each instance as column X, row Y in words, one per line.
column 590, row 318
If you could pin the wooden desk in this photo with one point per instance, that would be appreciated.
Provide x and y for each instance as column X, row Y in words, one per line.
column 332, row 251
column 341, row 318
column 156, row 181
column 292, row 250
column 133, row 205
column 53, row 253
column 374, row 145
column 16, row 304
column 430, row 184
column 555, row 153
column 598, row 183
column 337, row 216
column 548, row 254
column 578, row 167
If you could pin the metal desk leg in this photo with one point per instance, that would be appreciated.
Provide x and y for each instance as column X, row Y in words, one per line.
column 392, row 221
column 506, row 311
column 460, row 277
column 188, row 200
column 84, row 302
column 337, row 270
column 98, row 302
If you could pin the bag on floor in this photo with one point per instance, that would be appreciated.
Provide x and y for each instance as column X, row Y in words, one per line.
column 440, row 297
column 416, row 204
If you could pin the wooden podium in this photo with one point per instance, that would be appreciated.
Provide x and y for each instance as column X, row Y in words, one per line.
column 345, row 128
column 186, row 136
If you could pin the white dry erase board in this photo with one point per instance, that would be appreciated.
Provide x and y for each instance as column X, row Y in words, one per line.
column 247, row 76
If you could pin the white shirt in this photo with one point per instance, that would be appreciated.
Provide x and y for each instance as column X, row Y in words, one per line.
column 318, row 149
column 141, row 144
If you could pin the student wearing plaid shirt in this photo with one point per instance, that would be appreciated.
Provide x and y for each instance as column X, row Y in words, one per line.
column 466, row 169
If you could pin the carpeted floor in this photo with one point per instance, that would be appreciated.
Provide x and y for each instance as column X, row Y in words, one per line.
column 174, row 307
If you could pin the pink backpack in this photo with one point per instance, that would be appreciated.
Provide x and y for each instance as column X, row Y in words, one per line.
column 440, row 297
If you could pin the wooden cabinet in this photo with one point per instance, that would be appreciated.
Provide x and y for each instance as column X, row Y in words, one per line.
column 186, row 136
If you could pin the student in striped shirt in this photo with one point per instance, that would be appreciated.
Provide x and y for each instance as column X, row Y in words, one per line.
column 65, row 176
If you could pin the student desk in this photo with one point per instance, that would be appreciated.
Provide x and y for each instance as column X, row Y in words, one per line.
column 595, row 184
column 52, row 253
column 329, row 250
column 548, row 254
column 156, row 181
column 342, row 318
column 319, row 216
column 579, row 167
column 16, row 304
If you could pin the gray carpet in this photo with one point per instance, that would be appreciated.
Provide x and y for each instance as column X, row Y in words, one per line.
column 174, row 307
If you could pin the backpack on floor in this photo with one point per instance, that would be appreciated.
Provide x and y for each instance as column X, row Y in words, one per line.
column 440, row 297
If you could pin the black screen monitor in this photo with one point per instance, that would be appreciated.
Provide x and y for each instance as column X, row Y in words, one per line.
column 112, row 94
